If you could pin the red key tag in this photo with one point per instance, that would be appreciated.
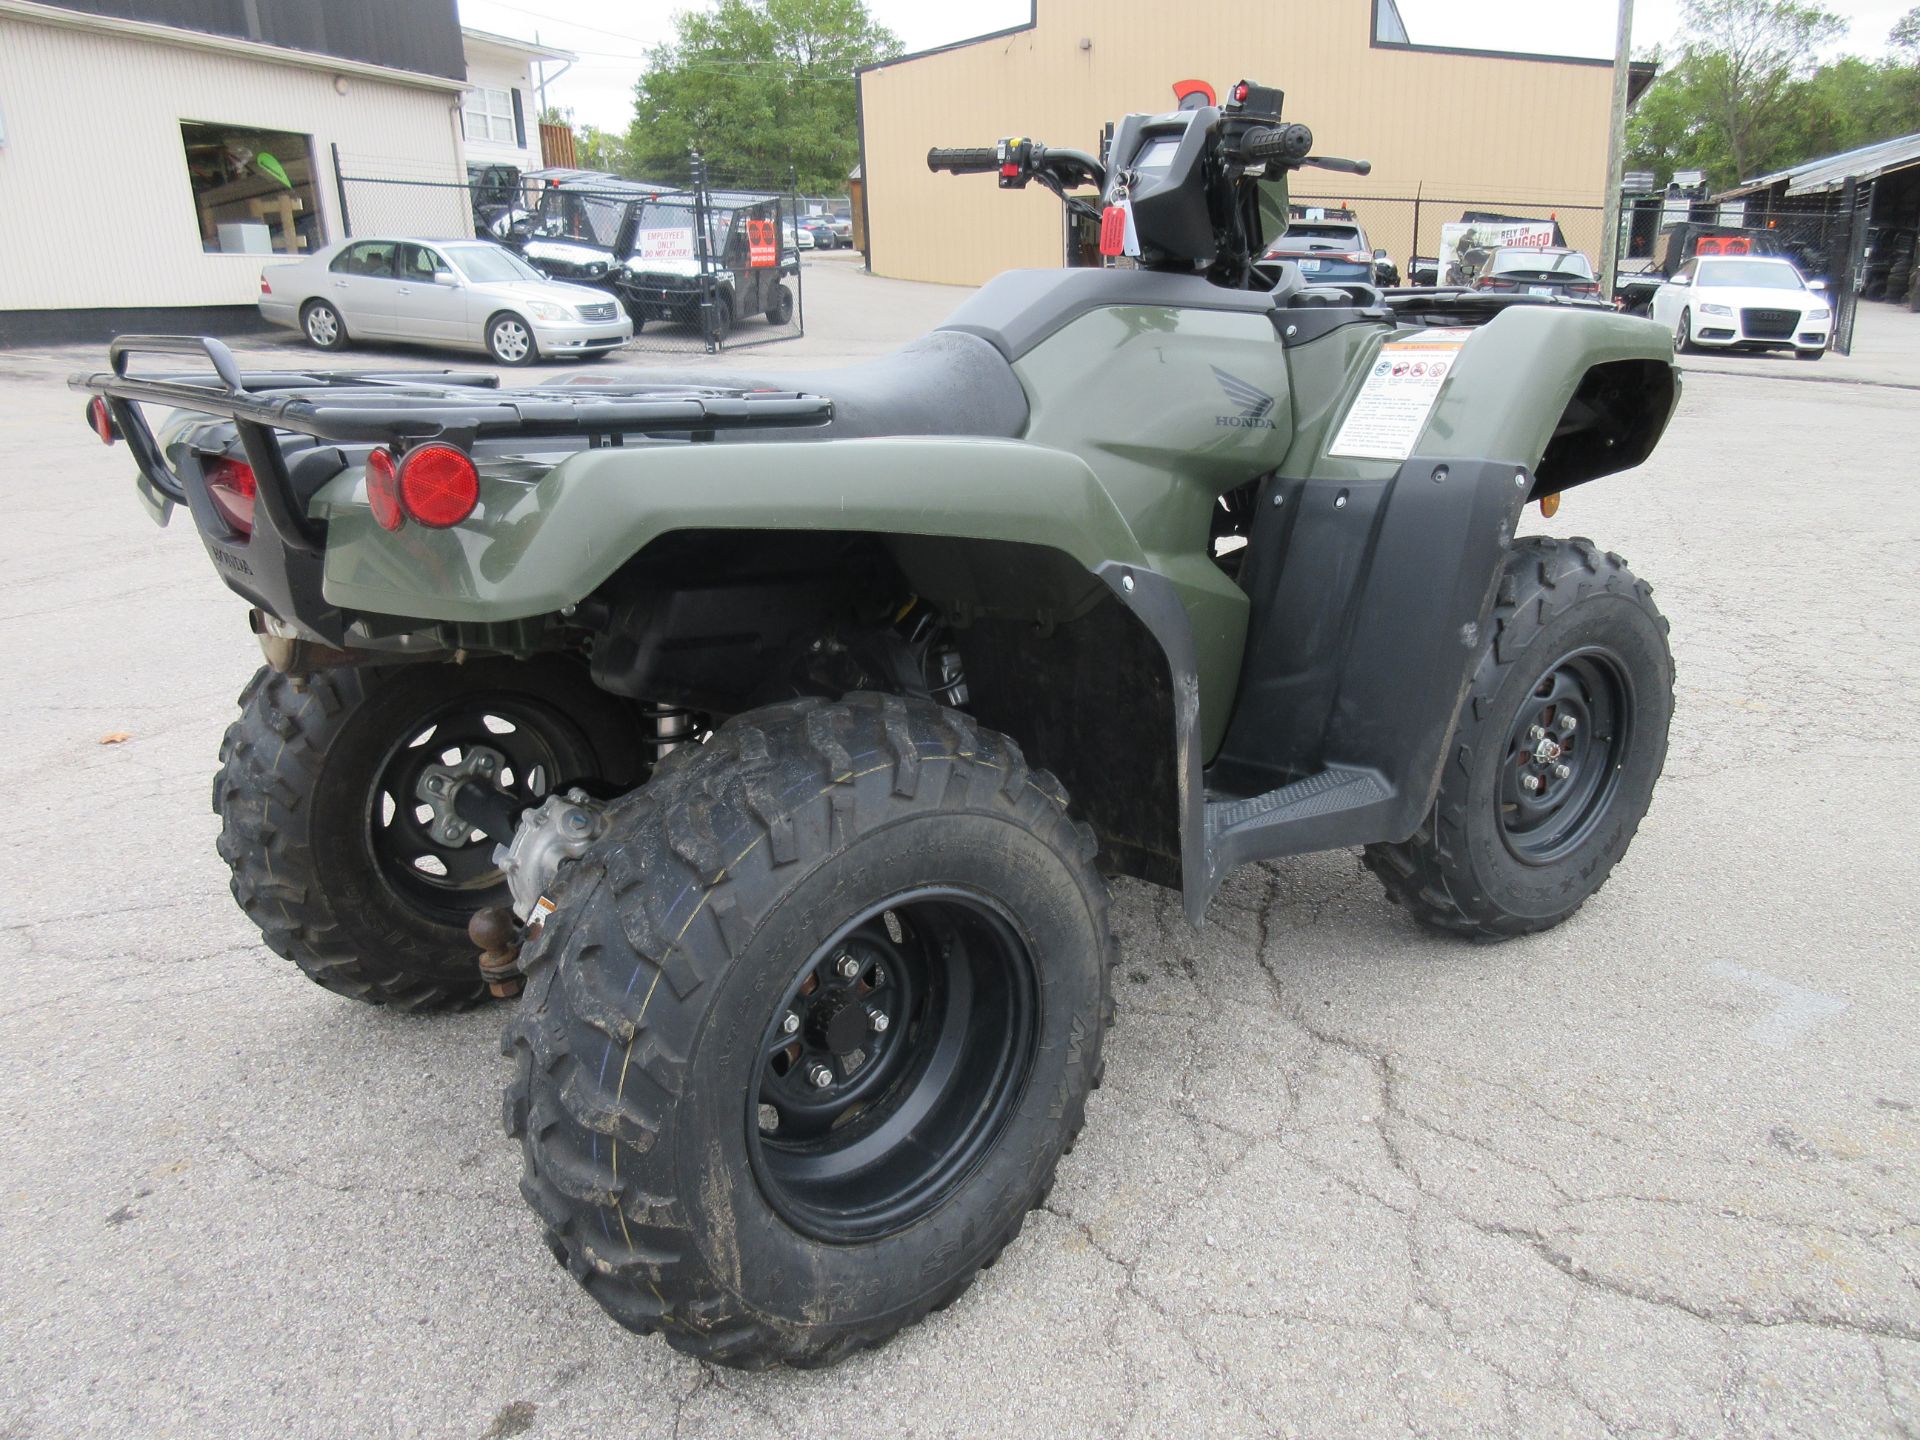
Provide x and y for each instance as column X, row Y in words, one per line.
column 1113, row 230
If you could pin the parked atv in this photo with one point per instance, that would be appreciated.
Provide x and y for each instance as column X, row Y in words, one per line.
column 785, row 733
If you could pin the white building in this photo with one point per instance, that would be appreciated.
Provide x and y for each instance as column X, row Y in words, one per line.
column 147, row 169
column 500, row 112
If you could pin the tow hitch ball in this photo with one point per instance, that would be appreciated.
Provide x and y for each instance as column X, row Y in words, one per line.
column 468, row 804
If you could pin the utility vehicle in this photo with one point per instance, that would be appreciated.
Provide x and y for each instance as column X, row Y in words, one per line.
column 785, row 733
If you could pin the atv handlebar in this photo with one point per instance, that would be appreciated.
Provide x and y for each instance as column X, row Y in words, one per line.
column 972, row 161
column 1276, row 142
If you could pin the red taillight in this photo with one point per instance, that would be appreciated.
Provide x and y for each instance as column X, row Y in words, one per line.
column 1360, row 257
column 231, row 487
column 438, row 485
column 1585, row 289
column 265, row 288
column 383, row 491
column 101, row 419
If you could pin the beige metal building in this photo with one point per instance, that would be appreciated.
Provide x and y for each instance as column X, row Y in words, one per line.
column 1486, row 127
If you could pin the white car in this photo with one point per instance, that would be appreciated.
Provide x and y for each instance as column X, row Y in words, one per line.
column 467, row 294
column 1744, row 302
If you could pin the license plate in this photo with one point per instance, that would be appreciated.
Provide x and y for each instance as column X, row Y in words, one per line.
column 1312, row 267
column 1539, row 289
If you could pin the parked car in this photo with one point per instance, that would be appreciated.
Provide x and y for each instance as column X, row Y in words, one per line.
column 466, row 294
column 1333, row 252
column 796, row 237
column 1515, row 269
column 842, row 228
column 820, row 229
column 1731, row 302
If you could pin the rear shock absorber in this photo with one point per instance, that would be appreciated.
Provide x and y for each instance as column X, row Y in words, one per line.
column 668, row 727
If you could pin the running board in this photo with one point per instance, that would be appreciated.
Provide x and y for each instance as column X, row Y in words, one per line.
column 1340, row 806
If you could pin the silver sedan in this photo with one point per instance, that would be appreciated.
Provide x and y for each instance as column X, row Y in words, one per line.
column 470, row 294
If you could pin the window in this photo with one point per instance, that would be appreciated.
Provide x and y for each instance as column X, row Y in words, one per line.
column 369, row 257
column 490, row 115
column 492, row 264
column 252, row 189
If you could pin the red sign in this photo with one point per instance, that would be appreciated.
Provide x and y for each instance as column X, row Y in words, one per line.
column 763, row 244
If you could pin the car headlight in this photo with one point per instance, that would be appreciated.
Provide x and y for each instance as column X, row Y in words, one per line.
column 1823, row 313
column 545, row 310
column 1716, row 310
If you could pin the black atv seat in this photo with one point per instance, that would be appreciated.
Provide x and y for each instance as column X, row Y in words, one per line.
column 946, row 383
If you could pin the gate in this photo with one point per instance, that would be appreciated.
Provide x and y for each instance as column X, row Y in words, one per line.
column 696, row 267
column 1849, row 278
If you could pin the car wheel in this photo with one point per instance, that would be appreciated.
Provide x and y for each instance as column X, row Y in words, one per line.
column 324, row 328
column 780, row 309
column 510, row 341
column 722, row 316
column 1683, row 337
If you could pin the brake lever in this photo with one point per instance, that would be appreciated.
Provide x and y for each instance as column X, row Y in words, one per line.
column 1334, row 162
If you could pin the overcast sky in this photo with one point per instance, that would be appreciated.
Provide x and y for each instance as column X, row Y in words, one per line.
column 612, row 36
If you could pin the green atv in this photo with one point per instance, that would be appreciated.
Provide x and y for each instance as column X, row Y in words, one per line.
column 783, row 733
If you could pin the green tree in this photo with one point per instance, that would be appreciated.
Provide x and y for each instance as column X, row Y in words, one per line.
column 1905, row 35
column 757, row 86
column 1748, row 54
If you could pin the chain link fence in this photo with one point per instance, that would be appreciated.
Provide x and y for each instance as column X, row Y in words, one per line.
column 698, row 267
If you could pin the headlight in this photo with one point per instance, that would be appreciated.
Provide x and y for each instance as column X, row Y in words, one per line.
column 1716, row 310
column 1823, row 313
column 545, row 310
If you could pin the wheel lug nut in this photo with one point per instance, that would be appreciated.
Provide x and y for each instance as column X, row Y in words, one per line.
column 848, row 967
column 879, row 1021
column 1530, row 784
column 1536, row 733
column 1561, row 772
column 791, row 1023
column 821, row 1076
column 1568, row 724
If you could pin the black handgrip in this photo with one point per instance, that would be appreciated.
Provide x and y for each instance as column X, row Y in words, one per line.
column 1334, row 162
column 1276, row 142
column 964, row 162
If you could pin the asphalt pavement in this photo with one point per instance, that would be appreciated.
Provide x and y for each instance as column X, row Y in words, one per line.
column 1655, row 1172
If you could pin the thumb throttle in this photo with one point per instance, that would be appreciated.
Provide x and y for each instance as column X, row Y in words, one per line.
column 1334, row 162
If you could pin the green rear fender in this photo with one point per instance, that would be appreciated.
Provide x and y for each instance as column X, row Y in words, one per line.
column 535, row 549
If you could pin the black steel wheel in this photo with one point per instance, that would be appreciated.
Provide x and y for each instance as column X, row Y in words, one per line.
column 1558, row 743
column 810, row 1029
column 891, row 1064
column 331, row 843
column 1565, row 754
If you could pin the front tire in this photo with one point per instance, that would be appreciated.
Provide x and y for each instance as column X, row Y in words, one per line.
column 1559, row 741
column 810, row 1029
column 319, row 823
column 510, row 341
column 1683, row 336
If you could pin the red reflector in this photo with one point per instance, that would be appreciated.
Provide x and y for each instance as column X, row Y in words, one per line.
column 383, row 491
column 438, row 485
column 101, row 419
column 231, row 487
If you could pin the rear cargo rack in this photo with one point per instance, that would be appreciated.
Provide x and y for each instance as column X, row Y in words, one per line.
column 402, row 408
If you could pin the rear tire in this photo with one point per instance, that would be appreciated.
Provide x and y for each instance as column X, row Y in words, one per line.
column 1573, row 637
column 689, row 1146
column 319, row 860
column 781, row 310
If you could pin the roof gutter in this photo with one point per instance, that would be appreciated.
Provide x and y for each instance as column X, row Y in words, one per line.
column 30, row 10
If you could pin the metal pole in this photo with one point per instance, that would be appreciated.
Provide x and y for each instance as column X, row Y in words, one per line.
column 697, row 173
column 1616, row 150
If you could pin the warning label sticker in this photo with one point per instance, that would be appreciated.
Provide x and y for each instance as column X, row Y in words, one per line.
column 1398, row 396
